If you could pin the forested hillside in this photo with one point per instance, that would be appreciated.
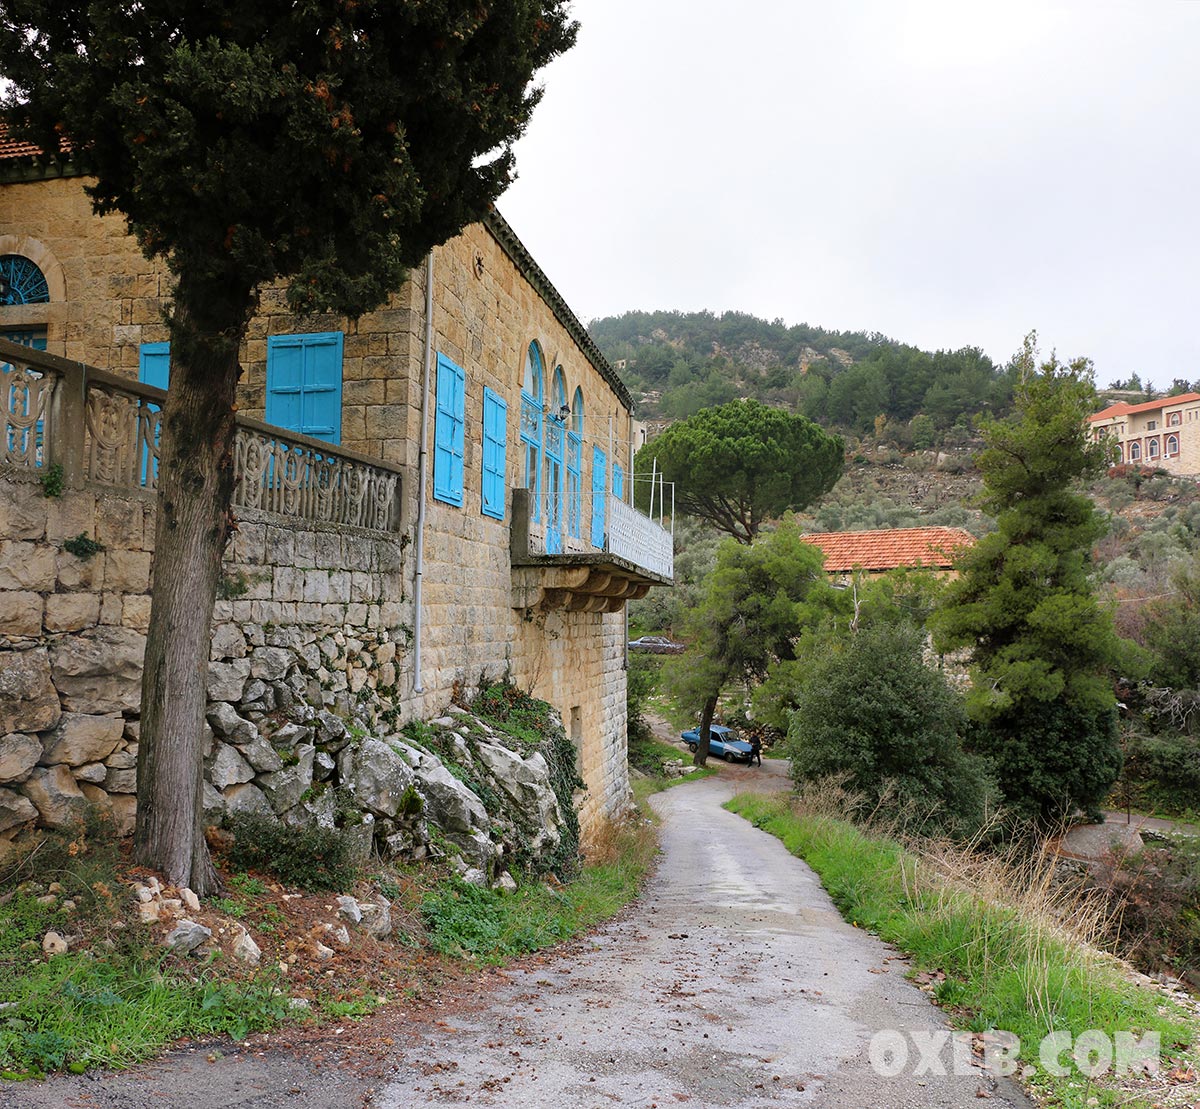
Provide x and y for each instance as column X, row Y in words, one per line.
column 677, row 363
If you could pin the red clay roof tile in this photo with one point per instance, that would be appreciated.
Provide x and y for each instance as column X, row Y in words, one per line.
column 890, row 548
column 1123, row 409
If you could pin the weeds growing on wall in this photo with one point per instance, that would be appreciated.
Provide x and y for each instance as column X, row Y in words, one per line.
column 535, row 727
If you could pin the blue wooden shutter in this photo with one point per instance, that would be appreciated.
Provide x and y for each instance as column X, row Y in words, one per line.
column 154, row 364
column 599, row 465
column 448, row 432
column 618, row 486
column 304, row 384
column 495, row 429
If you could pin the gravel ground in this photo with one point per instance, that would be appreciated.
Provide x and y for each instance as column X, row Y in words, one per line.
column 732, row 982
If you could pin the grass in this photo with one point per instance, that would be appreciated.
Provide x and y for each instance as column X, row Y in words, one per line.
column 1013, row 947
column 491, row 926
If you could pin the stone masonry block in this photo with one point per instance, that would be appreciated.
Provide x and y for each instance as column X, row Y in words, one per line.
column 72, row 612
column 27, row 566
column 127, row 571
column 20, row 613
column 120, row 525
column 23, row 510
column 74, row 513
column 79, row 573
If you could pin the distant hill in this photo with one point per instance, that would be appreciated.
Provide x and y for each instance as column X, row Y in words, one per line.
column 679, row 362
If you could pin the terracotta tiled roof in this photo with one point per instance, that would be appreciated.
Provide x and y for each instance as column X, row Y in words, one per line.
column 1123, row 409
column 887, row 549
column 15, row 148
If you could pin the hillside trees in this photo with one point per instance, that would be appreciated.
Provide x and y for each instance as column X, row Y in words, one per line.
column 1042, row 647
column 737, row 464
column 327, row 144
column 756, row 602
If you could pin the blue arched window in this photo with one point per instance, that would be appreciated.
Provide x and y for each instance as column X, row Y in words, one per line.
column 21, row 282
column 555, row 435
column 531, row 425
column 575, row 467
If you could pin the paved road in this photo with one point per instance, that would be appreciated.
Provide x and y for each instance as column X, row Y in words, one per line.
column 734, row 982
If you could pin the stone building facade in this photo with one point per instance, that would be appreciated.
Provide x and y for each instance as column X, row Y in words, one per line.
column 1162, row 434
column 528, row 551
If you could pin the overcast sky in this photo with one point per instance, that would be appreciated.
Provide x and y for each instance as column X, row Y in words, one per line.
column 949, row 174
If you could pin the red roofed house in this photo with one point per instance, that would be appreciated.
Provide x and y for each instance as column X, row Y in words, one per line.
column 1163, row 433
column 876, row 552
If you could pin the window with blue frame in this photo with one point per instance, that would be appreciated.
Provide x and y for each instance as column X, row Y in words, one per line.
column 618, row 482
column 448, row 428
column 21, row 281
column 575, row 468
column 304, row 384
column 531, row 426
column 154, row 368
column 599, row 469
column 495, row 435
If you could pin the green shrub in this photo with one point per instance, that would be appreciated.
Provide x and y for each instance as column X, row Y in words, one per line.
column 310, row 858
column 875, row 715
column 82, row 546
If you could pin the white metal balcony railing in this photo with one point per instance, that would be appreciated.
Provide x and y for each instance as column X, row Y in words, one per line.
column 569, row 523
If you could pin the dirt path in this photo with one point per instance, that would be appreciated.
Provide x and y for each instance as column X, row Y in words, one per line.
column 733, row 982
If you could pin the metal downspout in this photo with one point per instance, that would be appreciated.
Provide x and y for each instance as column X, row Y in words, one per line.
column 422, row 477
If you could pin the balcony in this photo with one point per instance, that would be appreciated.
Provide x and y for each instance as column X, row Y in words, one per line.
column 570, row 553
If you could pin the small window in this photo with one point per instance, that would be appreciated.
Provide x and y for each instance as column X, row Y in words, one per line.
column 1151, row 425
column 304, row 384
column 1174, row 419
column 21, row 282
column 1135, row 451
column 448, row 432
column 495, row 430
column 1152, row 449
column 1172, row 445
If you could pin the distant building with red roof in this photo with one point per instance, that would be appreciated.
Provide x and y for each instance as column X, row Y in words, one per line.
column 1163, row 433
column 876, row 552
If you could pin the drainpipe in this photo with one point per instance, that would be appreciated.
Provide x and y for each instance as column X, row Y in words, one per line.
column 422, row 476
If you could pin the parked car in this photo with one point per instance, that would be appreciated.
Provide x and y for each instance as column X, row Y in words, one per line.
column 722, row 743
column 656, row 645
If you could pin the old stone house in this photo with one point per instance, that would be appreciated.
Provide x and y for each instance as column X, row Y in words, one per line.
column 1163, row 434
column 430, row 497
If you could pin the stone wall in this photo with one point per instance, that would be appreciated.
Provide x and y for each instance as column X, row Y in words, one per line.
column 107, row 299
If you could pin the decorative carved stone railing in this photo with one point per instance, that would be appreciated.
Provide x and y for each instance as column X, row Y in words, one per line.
column 104, row 429
column 553, row 569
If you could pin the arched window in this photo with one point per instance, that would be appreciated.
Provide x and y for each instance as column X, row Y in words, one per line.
column 1135, row 451
column 21, row 282
column 575, row 467
column 1152, row 449
column 531, row 426
column 554, row 444
column 1172, row 445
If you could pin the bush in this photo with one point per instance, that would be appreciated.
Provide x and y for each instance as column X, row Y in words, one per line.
column 874, row 714
column 310, row 858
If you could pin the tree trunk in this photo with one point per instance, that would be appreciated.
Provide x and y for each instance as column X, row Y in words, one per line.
column 700, row 758
column 195, row 490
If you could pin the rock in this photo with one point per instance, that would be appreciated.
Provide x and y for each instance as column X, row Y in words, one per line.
column 224, row 720
column 476, row 846
column 79, row 739
column 228, row 768
column 342, row 934
column 380, row 779
column 148, row 912
column 323, row 766
column 300, row 1004
column 120, row 781
column 449, row 803
column 123, row 760
column 314, row 810
column 99, row 670
column 226, row 680
column 144, row 894
column 124, row 812
column 189, row 898
column 19, row 754
column 260, row 754
column 285, row 787
column 348, row 909
column 212, row 804
column 270, row 663
column 376, row 917
column 92, row 772
column 54, row 944
column 506, row 882
column 186, row 936
column 246, row 950
column 291, row 735
column 331, row 729
column 47, row 901
column 258, row 693
column 247, row 798
column 527, row 783
column 228, row 641
column 28, row 700
column 56, row 796
column 323, row 953
column 475, row 877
